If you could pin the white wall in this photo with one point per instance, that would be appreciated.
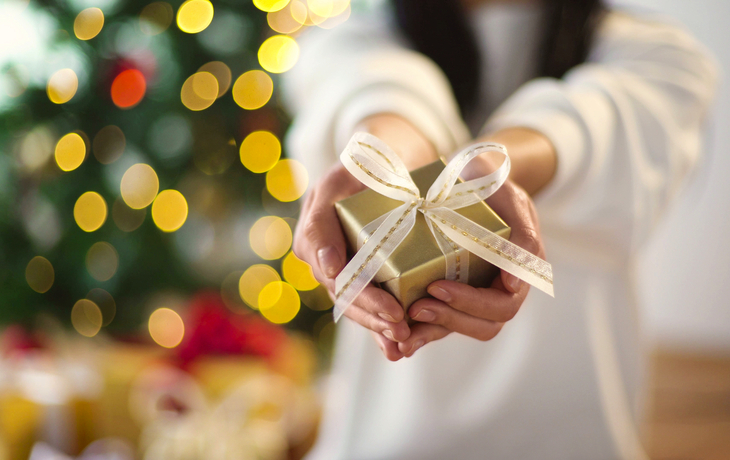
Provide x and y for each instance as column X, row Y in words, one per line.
column 685, row 272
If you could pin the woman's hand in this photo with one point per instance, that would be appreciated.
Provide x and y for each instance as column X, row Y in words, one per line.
column 479, row 312
column 319, row 241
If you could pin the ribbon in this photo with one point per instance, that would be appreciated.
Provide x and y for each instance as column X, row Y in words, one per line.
column 374, row 164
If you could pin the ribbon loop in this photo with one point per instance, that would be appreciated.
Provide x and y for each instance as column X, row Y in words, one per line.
column 374, row 164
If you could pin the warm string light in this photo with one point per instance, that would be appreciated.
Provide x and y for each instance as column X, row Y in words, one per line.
column 90, row 211
column 194, row 16
column 260, row 151
column 270, row 237
column 253, row 89
column 166, row 327
column 88, row 23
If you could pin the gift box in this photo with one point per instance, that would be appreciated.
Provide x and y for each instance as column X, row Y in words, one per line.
column 417, row 261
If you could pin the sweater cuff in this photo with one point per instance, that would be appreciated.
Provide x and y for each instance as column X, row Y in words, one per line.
column 384, row 98
column 562, row 130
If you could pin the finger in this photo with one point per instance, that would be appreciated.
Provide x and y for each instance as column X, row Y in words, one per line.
column 380, row 303
column 434, row 311
column 422, row 334
column 493, row 304
column 388, row 347
column 396, row 332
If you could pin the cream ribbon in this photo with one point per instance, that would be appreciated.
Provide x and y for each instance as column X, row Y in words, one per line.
column 374, row 164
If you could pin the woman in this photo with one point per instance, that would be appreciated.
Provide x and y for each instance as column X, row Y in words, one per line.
column 601, row 113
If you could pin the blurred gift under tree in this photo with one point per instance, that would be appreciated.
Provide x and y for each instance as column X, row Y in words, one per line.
column 142, row 163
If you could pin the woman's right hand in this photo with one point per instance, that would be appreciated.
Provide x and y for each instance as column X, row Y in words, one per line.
column 319, row 241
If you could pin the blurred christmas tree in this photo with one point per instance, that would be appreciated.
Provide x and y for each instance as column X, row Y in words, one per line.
column 142, row 163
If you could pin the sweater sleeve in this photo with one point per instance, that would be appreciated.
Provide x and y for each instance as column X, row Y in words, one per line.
column 356, row 70
column 626, row 126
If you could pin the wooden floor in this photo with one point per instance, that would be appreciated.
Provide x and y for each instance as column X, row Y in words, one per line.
column 689, row 418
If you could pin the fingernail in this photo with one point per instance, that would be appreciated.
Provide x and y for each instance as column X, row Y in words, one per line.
column 513, row 283
column 387, row 333
column 425, row 315
column 440, row 293
column 416, row 346
column 387, row 317
column 329, row 261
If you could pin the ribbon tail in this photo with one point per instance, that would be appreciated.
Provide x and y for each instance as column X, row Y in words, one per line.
column 494, row 249
column 358, row 273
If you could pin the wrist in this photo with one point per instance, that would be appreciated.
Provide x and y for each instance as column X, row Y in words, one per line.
column 410, row 144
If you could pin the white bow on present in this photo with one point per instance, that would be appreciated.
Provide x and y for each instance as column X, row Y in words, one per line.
column 374, row 164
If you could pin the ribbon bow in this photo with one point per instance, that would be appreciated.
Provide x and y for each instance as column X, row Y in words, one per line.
column 374, row 164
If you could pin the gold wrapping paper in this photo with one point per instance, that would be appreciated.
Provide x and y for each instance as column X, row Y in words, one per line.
column 418, row 261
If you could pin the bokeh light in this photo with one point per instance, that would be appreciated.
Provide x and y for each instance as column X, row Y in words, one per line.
column 279, row 302
column 169, row 210
column 106, row 304
column 287, row 181
column 62, row 86
column 128, row 88
column 90, row 211
column 270, row 5
column 336, row 20
column 270, row 237
column 253, row 280
column 260, row 151
column 194, row 16
column 70, row 151
column 253, row 89
column 278, row 53
column 139, row 186
column 109, row 144
column 328, row 8
column 318, row 299
column 298, row 273
column 102, row 261
column 289, row 19
column 222, row 74
column 199, row 91
column 155, row 18
column 126, row 218
column 86, row 318
column 39, row 274
column 166, row 327
column 88, row 23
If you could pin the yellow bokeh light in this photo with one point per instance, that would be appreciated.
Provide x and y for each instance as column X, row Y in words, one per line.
column 126, row 218
column 328, row 8
column 253, row 89
column 260, row 151
column 169, row 210
column 39, row 274
column 287, row 181
column 270, row 237
column 88, row 23
column 102, row 261
column 62, row 86
column 106, row 304
column 199, row 91
column 90, row 211
column 139, row 186
column 86, row 318
column 298, row 273
column 155, row 18
column 288, row 20
column 278, row 53
column 253, row 281
column 336, row 20
column 70, row 152
column 194, row 16
column 109, row 144
column 166, row 327
column 270, row 5
column 222, row 74
column 279, row 302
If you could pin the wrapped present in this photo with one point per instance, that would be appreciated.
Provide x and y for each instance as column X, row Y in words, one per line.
column 413, row 228
column 417, row 261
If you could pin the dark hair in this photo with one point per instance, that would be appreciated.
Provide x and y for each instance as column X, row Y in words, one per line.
column 439, row 29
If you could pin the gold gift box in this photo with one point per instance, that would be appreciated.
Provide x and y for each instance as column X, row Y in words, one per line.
column 418, row 261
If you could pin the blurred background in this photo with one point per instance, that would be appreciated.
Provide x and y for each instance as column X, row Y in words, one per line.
column 150, row 305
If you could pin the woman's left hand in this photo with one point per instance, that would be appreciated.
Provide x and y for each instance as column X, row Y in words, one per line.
column 478, row 312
